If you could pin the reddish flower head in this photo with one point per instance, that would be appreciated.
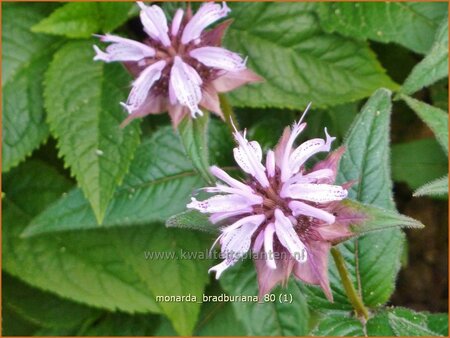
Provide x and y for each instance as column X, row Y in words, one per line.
column 287, row 214
column 178, row 68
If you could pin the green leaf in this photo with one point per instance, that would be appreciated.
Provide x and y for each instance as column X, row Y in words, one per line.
column 158, row 185
column 193, row 135
column 258, row 319
column 82, row 19
column 387, row 322
column 25, row 57
column 435, row 188
column 418, row 162
column 405, row 322
column 371, row 218
column 409, row 24
column 82, row 99
column 192, row 219
column 434, row 117
column 433, row 67
column 43, row 308
column 338, row 325
column 373, row 259
column 300, row 63
column 110, row 268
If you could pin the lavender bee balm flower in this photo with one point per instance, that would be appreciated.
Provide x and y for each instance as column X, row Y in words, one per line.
column 181, row 68
column 287, row 214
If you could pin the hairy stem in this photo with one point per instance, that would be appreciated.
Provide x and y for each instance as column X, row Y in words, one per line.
column 352, row 294
column 228, row 112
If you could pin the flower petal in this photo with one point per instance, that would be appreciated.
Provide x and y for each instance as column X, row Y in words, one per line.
column 248, row 156
column 307, row 149
column 252, row 219
column 300, row 208
column 207, row 14
column 210, row 101
column 268, row 278
column 268, row 245
column 184, row 85
column 152, row 105
column 285, row 168
column 330, row 163
column 319, row 193
column 142, row 86
column 232, row 80
column 315, row 270
column 220, row 203
column 270, row 163
column 217, row 57
column 155, row 23
column 220, row 216
column 122, row 49
column 259, row 241
column 288, row 237
column 232, row 182
column 234, row 245
column 176, row 22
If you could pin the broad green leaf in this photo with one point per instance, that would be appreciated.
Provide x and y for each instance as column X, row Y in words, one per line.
column 433, row 67
column 25, row 57
column 192, row 219
column 435, row 118
column 300, row 63
column 405, row 322
column 43, row 308
column 338, row 325
column 82, row 19
column 387, row 322
column 411, row 24
column 418, row 162
column 121, row 269
column 194, row 137
column 373, row 259
column 259, row 319
column 435, row 188
column 82, row 99
column 158, row 185
column 371, row 218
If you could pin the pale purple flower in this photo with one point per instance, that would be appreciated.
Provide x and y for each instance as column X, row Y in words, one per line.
column 285, row 213
column 180, row 67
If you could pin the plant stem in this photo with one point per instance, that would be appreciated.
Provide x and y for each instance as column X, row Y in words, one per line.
column 354, row 298
column 228, row 112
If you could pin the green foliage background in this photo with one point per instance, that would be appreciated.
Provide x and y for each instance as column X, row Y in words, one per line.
column 83, row 200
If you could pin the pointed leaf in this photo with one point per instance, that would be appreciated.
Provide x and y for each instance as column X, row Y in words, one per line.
column 374, row 258
column 108, row 268
column 193, row 135
column 433, row 67
column 25, row 57
column 299, row 62
column 404, row 322
column 82, row 19
column 82, row 99
column 371, row 218
column 411, row 24
column 43, row 308
column 435, row 118
column 435, row 188
column 192, row 219
column 159, row 185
